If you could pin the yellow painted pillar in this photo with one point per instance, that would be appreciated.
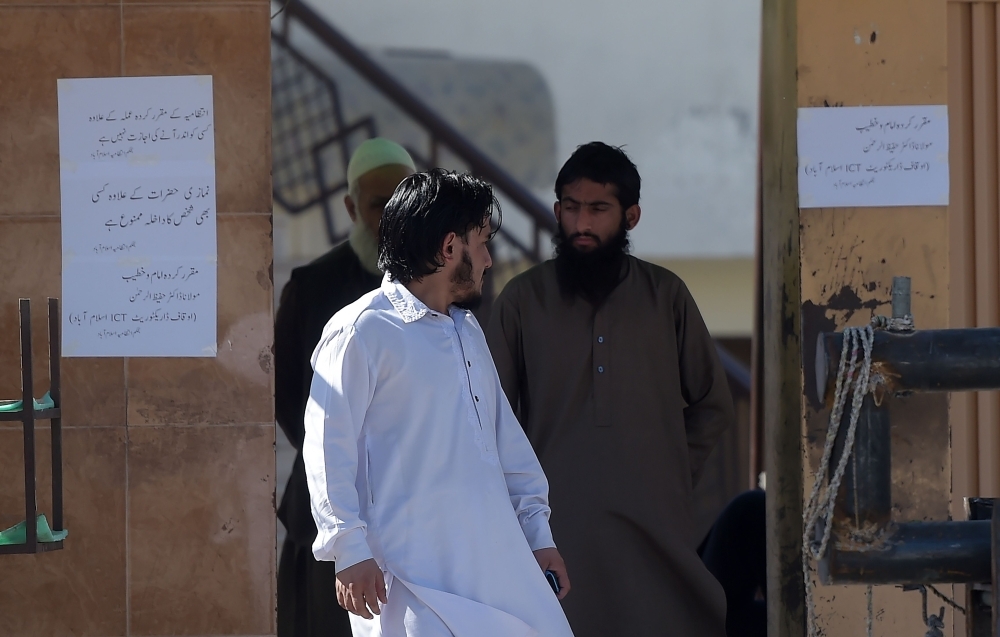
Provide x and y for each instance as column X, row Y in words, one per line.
column 856, row 53
column 862, row 53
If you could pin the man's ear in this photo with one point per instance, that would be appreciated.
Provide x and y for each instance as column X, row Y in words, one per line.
column 449, row 247
column 351, row 210
column 557, row 211
column 632, row 216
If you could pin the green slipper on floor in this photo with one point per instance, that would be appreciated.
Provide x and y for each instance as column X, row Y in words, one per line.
column 18, row 534
column 9, row 406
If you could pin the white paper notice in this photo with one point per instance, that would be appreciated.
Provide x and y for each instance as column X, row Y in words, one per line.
column 873, row 156
column 139, row 255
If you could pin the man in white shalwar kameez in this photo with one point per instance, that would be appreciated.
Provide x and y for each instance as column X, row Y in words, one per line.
column 425, row 490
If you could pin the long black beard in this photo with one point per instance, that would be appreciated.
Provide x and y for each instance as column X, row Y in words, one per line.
column 591, row 275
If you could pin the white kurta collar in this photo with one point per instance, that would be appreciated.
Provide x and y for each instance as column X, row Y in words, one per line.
column 411, row 308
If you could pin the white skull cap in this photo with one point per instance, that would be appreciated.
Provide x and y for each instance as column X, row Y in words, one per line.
column 375, row 153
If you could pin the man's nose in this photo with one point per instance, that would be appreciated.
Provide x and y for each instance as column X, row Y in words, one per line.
column 585, row 222
column 489, row 260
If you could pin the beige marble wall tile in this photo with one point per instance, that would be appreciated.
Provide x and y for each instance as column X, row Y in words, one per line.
column 236, row 386
column 93, row 392
column 233, row 45
column 201, row 530
column 80, row 590
column 39, row 45
column 30, row 260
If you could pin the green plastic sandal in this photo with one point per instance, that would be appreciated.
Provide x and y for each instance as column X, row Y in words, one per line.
column 18, row 534
column 13, row 406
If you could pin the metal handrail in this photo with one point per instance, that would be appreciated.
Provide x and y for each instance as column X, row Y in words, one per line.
column 413, row 106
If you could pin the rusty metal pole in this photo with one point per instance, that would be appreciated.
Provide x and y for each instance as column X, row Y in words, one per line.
column 55, row 391
column 28, row 425
column 781, row 305
column 914, row 553
column 865, row 499
column 900, row 297
column 950, row 360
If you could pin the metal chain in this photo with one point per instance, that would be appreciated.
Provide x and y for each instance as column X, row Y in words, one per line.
column 933, row 623
column 946, row 599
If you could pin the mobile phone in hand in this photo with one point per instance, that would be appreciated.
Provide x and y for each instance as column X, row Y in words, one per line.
column 553, row 581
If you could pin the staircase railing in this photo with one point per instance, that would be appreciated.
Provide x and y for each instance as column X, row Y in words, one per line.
column 292, row 169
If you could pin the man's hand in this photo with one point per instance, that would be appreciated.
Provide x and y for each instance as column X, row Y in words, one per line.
column 550, row 560
column 361, row 587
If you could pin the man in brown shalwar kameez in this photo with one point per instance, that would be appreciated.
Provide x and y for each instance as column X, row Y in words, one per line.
column 612, row 373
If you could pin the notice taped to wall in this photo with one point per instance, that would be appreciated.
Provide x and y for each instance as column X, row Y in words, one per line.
column 139, row 252
column 873, row 156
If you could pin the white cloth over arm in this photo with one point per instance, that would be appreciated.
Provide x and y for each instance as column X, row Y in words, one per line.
column 526, row 483
column 342, row 389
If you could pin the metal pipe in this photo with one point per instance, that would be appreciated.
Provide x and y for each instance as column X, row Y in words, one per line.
column 28, row 424
column 900, row 296
column 55, row 391
column 916, row 553
column 926, row 360
column 865, row 496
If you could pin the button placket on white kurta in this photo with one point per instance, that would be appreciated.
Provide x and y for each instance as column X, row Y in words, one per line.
column 465, row 353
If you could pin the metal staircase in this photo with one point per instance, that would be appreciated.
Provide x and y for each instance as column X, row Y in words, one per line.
column 312, row 141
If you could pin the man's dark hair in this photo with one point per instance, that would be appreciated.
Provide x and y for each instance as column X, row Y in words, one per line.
column 425, row 208
column 602, row 164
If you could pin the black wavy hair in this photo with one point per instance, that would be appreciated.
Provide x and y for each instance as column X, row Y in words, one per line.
column 423, row 210
column 602, row 164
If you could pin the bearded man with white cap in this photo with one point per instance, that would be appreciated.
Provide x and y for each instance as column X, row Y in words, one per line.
column 307, row 606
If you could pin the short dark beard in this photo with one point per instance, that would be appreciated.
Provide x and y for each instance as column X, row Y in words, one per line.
column 595, row 274
column 462, row 278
